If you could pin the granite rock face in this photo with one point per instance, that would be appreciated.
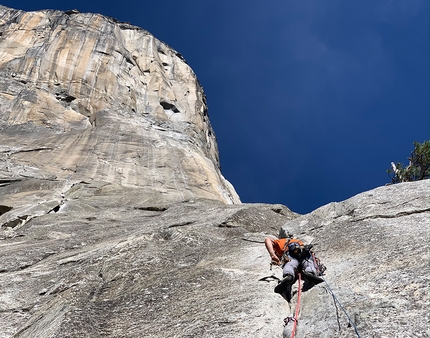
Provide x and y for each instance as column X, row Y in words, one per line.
column 115, row 220
column 109, row 264
column 84, row 97
column 376, row 248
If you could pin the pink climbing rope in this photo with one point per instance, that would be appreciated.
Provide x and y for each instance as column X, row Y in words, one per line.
column 296, row 315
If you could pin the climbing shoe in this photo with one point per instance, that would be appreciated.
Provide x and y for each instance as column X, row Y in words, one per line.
column 312, row 277
column 287, row 293
column 284, row 283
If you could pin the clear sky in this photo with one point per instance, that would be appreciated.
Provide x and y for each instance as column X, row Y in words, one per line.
column 310, row 100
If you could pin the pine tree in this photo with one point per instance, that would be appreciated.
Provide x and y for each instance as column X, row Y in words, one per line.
column 418, row 168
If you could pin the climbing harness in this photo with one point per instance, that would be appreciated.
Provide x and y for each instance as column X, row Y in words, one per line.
column 295, row 319
column 343, row 309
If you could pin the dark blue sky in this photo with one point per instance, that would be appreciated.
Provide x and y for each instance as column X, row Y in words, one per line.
column 310, row 100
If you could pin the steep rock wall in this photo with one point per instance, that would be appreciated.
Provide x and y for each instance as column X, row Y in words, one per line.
column 84, row 97
column 376, row 248
column 116, row 222
column 108, row 263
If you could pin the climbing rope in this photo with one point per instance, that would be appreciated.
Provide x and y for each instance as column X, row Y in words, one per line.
column 296, row 315
column 343, row 309
column 295, row 319
column 320, row 270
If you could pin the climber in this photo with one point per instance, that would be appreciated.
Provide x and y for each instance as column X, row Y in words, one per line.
column 294, row 257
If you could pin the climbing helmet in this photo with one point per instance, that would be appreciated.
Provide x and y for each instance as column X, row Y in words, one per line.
column 294, row 249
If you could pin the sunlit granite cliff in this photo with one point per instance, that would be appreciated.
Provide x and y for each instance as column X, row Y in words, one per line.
column 84, row 97
column 115, row 219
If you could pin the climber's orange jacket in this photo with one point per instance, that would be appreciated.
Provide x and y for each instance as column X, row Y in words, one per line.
column 281, row 245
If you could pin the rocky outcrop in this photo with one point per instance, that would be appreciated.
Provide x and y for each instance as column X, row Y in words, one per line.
column 86, row 98
column 115, row 220
column 106, row 263
column 375, row 246
column 109, row 264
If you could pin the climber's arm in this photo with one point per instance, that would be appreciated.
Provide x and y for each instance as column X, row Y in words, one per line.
column 269, row 243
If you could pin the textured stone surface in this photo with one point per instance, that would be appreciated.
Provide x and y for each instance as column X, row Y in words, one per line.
column 84, row 97
column 109, row 264
column 115, row 220
column 375, row 246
